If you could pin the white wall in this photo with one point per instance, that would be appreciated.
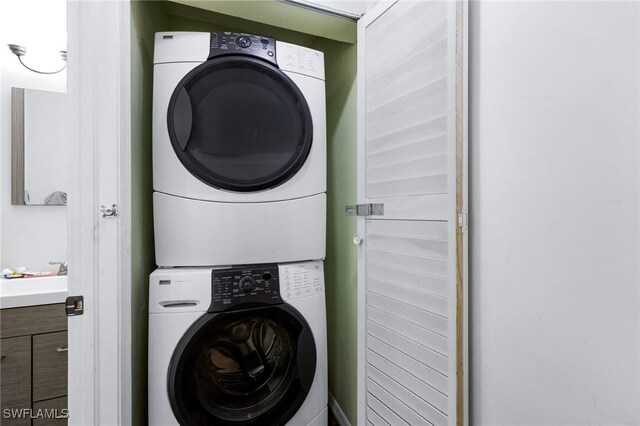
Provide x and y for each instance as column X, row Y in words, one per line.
column 555, row 304
column 30, row 235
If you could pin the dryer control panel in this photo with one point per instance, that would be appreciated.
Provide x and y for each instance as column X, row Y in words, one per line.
column 300, row 60
column 226, row 43
column 244, row 286
column 301, row 279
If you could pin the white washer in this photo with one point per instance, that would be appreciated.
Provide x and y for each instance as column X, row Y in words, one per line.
column 238, row 346
column 239, row 150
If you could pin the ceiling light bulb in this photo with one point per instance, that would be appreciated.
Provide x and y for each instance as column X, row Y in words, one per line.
column 17, row 49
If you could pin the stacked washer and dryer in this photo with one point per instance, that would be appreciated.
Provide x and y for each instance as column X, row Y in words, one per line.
column 237, row 320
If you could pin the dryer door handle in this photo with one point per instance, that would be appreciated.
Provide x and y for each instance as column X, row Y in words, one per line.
column 182, row 118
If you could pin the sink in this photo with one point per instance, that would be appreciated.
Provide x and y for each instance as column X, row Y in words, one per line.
column 32, row 291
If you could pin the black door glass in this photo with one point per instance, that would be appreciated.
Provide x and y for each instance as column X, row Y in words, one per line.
column 240, row 124
column 242, row 368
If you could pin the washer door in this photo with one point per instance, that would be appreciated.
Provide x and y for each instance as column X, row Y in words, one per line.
column 239, row 123
column 249, row 367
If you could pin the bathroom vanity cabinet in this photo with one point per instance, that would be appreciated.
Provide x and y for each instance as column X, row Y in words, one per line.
column 33, row 366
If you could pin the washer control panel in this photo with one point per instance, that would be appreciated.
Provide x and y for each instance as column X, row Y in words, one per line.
column 301, row 279
column 246, row 285
column 226, row 43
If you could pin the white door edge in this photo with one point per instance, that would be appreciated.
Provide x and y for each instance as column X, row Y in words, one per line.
column 99, row 248
column 452, row 213
column 360, row 225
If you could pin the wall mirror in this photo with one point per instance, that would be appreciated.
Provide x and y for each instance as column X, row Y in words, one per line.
column 39, row 148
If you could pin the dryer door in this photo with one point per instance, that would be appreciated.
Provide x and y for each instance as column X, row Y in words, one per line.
column 239, row 123
column 249, row 367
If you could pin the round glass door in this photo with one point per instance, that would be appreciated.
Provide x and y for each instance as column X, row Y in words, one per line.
column 248, row 367
column 240, row 124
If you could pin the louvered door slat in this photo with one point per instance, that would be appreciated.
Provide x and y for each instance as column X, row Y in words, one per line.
column 417, row 367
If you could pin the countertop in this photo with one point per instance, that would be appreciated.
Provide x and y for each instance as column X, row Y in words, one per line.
column 20, row 292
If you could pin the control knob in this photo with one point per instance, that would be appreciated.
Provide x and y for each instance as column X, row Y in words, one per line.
column 243, row 41
column 246, row 284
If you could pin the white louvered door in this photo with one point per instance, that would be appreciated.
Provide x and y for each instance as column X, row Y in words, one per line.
column 412, row 159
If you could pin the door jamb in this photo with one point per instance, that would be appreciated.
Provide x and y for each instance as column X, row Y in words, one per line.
column 462, row 210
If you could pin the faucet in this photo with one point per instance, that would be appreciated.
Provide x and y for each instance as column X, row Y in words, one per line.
column 63, row 267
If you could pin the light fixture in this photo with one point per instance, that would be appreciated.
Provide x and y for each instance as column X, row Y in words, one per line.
column 20, row 51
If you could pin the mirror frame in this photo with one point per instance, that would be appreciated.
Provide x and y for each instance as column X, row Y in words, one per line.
column 17, row 146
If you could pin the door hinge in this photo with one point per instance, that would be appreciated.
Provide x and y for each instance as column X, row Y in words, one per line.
column 74, row 305
column 462, row 221
column 365, row 210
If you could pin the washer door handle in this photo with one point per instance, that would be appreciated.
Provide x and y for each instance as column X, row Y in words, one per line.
column 182, row 118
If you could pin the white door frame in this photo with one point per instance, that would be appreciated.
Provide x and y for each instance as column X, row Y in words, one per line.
column 99, row 248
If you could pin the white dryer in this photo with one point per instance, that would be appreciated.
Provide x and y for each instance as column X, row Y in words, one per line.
column 239, row 150
column 238, row 346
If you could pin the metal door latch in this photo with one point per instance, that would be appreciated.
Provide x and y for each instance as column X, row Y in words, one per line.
column 74, row 305
column 365, row 210
column 109, row 211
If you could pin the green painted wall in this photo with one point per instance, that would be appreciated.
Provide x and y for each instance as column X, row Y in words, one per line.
column 146, row 18
column 280, row 15
column 149, row 17
column 341, row 261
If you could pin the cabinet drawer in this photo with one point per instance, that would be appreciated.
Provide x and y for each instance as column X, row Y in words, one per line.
column 15, row 378
column 49, row 365
column 45, row 411
column 32, row 320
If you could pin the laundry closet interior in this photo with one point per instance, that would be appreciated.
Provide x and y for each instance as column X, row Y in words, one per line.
column 335, row 37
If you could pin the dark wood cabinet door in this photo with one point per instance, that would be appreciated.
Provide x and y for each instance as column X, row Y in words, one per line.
column 32, row 320
column 49, row 365
column 50, row 412
column 15, row 380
